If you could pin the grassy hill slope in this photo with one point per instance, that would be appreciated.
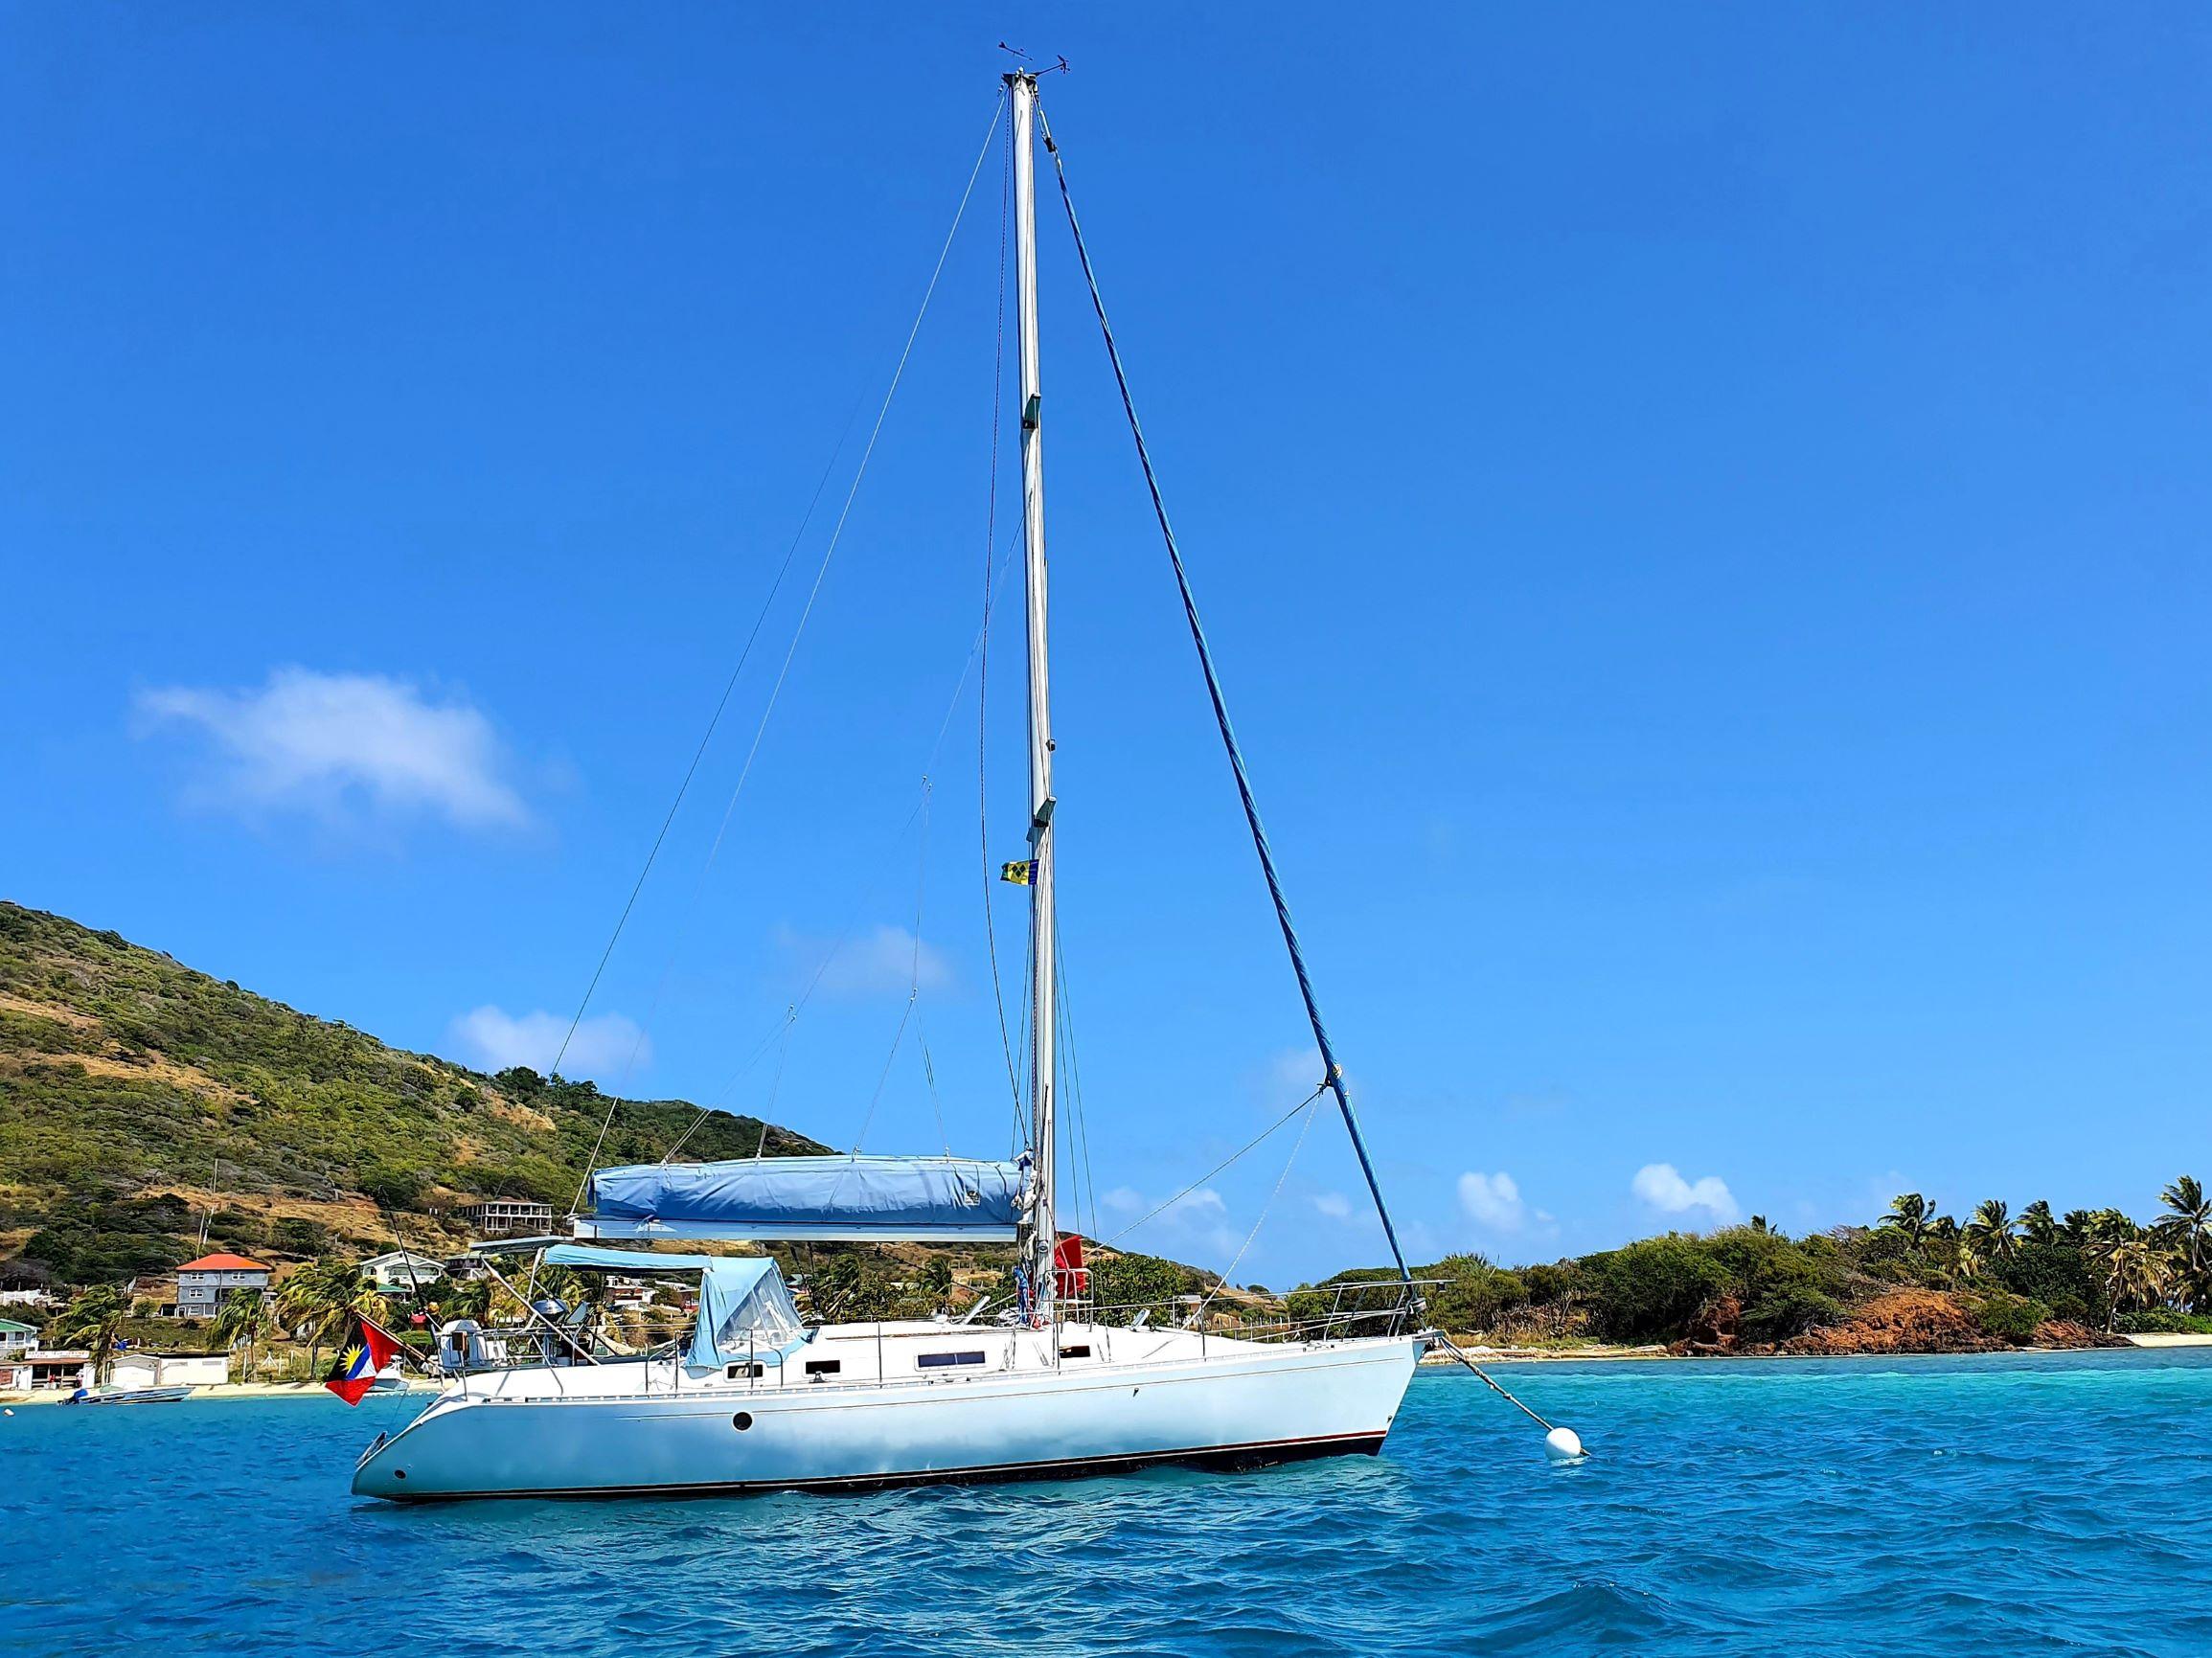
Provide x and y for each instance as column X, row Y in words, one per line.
column 138, row 1097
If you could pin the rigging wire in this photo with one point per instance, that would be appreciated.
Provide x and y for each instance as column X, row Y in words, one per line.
column 913, row 995
column 983, row 662
column 846, row 935
column 784, row 1030
column 707, row 736
column 1333, row 1073
column 1086, row 1165
column 1296, row 1146
column 783, row 673
column 1248, row 1146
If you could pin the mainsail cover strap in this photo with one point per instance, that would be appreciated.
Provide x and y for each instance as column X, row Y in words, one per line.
column 827, row 1198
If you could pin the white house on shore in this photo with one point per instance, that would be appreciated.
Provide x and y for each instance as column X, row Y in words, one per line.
column 17, row 1339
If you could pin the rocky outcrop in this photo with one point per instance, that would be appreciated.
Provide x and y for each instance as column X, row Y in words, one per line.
column 1715, row 1332
column 1902, row 1321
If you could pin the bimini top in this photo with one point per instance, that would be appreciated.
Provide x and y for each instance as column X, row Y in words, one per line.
column 836, row 1199
column 584, row 1257
column 745, row 1307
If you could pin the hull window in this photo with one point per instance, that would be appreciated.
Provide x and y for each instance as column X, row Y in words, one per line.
column 945, row 1360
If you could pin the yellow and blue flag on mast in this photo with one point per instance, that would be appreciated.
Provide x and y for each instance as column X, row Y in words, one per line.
column 1023, row 873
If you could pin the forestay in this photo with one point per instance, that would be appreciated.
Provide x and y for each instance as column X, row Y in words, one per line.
column 833, row 1199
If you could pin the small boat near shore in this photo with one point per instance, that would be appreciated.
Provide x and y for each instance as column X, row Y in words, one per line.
column 168, row 1395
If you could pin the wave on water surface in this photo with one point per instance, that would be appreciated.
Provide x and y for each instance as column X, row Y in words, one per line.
column 1959, row 1506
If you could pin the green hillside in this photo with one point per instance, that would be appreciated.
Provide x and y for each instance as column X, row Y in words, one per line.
column 140, row 1099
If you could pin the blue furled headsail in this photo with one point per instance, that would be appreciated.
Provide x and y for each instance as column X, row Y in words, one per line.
column 837, row 1199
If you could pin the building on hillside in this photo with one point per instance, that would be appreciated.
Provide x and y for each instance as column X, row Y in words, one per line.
column 461, row 1268
column 400, row 1272
column 168, row 1370
column 29, row 1298
column 201, row 1285
column 16, row 1339
column 508, row 1217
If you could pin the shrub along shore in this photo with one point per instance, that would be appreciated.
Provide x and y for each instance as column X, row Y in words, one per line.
column 1915, row 1280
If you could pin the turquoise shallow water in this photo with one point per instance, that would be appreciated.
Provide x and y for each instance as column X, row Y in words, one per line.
column 2014, row 1505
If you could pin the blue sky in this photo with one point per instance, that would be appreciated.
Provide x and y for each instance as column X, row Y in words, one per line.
column 1702, row 517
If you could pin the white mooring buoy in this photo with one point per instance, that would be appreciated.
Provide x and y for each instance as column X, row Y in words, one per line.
column 1563, row 1446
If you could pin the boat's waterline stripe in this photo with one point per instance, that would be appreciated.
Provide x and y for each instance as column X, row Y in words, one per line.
column 1255, row 1454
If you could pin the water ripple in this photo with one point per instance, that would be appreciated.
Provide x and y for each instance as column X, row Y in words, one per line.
column 2051, row 1504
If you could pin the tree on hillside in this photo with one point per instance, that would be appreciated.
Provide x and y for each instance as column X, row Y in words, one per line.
column 239, row 1321
column 90, row 1321
column 1910, row 1213
column 2039, row 1223
column 1990, row 1230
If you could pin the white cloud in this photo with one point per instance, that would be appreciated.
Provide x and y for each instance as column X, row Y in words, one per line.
column 879, row 962
column 340, row 744
column 1296, row 1071
column 1661, row 1186
column 1346, row 1210
column 606, row 1047
column 1492, row 1200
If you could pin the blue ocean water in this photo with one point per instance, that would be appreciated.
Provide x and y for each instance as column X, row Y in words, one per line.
column 2015, row 1503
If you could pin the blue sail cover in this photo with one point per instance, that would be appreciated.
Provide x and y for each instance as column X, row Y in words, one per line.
column 838, row 1199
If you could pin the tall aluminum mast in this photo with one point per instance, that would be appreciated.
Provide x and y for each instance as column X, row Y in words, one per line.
column 1044, row 1235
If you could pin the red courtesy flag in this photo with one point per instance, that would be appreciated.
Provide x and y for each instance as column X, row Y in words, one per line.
column 1071, row 1278
column 355, row 1370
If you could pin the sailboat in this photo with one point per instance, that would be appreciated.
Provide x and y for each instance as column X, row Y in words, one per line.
column 756, row 1398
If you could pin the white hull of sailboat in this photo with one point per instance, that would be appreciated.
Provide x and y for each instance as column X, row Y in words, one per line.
column 1257, row 1405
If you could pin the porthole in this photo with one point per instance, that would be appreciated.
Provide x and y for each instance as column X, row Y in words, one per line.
column 743, row 1421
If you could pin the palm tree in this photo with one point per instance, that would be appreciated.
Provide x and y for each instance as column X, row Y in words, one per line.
column 2134, row 1276
column 2039, row 1223
column 320, row 1301
column 1909, row 1212
column 241, row 1319
column 1966, row 1261
column 2111, row 1226
column 90, row 1321
column 1992, row 1229
column 2187, row 1227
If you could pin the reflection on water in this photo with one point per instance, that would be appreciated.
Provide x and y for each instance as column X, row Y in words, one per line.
column 1951, row 1506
